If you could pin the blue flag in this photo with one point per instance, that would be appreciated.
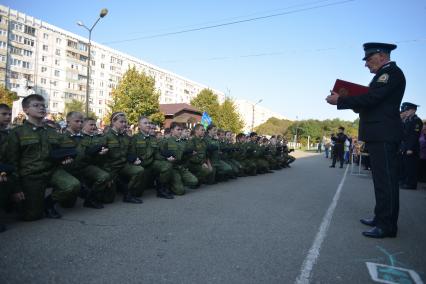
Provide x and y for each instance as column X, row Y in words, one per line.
column 206, row 120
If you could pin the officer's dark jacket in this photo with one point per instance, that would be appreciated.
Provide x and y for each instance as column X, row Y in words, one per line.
column 29, row 149
column 412, row 128
column 379, row 108
column 146, row 148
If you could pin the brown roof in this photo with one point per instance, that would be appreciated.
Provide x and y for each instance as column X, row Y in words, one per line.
column 172, row 109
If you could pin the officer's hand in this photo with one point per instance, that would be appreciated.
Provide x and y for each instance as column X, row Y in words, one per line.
column 409, row 152
column 3, row 177
column 332, row 99
column 171, row 159
column 137, row 162
column 103, row 151
column 18, row 197
column 205, row 166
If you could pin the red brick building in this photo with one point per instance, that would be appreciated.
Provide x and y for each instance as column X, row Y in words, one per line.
column 182, row 113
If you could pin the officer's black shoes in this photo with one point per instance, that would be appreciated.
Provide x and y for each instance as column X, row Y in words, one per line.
column 90, row 203
column 406, row 186
column 341, row 167
column 368, row 222
column 50, row 208
column 378, row 233
column 2, row 228
column 128, row 198
column 332, row 166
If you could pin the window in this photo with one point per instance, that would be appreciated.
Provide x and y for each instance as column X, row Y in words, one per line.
column 45, row 47
column 2, row 58
column 29, row 30
column 57, row 62
column 72, row 44
column 15, row 50
column 16, row 38
column 16, row 26
column 43, row 58
column 102, row 66
column 58, row 40
column 16, row 62
column 43, row 69
column 103, row 56
column 14, row 75
column 57, row 73
column 28, row 53
column 83, row 58
column 26, row 64
column 45, row 36
column 112, row 68
column 3, row 44
column 82, row 46
column 53, row 83
column 93, row 62
column 58, row 52
column 43, row 81
column 55, row 105
column 3, row 32
column 28, row 41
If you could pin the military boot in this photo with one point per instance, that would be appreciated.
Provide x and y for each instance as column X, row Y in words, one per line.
column 50, row 208
column 129, row 198
column 163, row 191
column 91, row 202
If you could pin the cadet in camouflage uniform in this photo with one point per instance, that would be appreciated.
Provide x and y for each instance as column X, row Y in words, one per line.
column 5, row 169
column 173, row 149
column 147, row 149
column 30, row 147
column 256, row 154
column 198, row 163
column 94, row 177
column 242, row 156
column 223, row 170
column 125, row 170
column 232, row 154
column 96, row 151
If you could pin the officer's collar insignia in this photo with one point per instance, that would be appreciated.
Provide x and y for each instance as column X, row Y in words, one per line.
column 383, row 78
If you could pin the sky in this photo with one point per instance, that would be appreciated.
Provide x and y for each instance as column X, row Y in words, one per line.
column 287, row 53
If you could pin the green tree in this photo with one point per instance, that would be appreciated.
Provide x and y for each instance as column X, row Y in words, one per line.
column 136, row 95
column 228, row 117
column 207, row 101
column 7, row 97
column 76, row 105
column 273, row 126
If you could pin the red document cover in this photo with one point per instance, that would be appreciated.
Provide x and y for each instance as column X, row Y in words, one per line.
column 345, row 88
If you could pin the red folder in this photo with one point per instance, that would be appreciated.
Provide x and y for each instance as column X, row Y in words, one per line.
column 345, row 88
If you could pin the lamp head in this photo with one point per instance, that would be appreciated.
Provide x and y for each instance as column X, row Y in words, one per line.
column 103, row 13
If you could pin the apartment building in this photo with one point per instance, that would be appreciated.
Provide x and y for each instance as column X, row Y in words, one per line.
column 53, row 62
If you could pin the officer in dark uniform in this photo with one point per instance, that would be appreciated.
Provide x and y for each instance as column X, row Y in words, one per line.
column 380, row 127
column 410, row 146
column 339, row 147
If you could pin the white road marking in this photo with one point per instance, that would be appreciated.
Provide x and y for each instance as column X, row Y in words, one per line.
column 314, row 251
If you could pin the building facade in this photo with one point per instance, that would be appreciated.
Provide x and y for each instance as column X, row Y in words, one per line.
column 53, row 62
column 254, row 115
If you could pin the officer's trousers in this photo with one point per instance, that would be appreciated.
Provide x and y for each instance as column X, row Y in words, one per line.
column 384, row 166
column 409, row 169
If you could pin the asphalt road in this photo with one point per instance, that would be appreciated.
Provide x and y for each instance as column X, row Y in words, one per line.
column 250, row 230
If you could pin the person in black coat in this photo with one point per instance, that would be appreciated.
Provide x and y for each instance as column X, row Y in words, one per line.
column 380, row 127
column 339, row 147
column 410, row 146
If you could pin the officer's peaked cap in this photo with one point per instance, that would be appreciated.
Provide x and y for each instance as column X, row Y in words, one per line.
column 371, row 48
column 406, row 106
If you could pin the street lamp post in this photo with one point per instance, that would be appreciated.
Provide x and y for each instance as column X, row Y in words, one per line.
column 295, row 136
column 102, row 14
column 252, row 115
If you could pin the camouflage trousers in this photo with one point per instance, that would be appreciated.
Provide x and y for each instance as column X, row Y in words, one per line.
column 182, row 177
